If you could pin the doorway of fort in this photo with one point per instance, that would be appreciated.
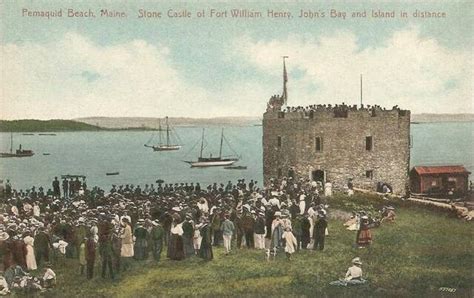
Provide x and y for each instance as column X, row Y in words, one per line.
column 318, row 175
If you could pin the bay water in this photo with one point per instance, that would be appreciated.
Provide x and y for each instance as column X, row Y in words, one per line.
column 94, row 154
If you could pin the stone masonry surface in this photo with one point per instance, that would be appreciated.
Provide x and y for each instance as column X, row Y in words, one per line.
column 343, row 153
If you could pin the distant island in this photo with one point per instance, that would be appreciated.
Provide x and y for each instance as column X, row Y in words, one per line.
column 149, row 123
column 58, row 125
column 425, row 118
column 45, row 126
column 153, row 123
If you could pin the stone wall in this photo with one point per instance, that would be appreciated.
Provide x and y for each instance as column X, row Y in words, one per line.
column 343, row 153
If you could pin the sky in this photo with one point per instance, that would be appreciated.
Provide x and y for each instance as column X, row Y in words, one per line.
column 74, row 67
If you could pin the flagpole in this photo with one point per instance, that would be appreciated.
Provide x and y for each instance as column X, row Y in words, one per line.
column 285, row 80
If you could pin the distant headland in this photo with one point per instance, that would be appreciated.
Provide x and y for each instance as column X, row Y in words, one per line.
column 57, row 125
column 30, row 125
column 425, row 118
column 117, row 123
column 153, row 123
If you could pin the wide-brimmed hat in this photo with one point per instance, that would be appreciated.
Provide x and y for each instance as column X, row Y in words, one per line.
column 278, row 213
column 356, row 261
column 176, row 217
column 4, row 236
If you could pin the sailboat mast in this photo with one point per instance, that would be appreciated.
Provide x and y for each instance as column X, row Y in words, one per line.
column 159, row 131
column 222, row 139
column 167, row 132
column 11, row 142
column 202, row 143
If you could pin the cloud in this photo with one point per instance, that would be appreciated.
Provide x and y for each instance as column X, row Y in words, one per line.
column 75, row 78
column 412, row 71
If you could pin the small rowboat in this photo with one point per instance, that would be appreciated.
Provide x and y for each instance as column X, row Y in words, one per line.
column 46, row 153
column 236, row 168
column 69, row 176
column 112, row 174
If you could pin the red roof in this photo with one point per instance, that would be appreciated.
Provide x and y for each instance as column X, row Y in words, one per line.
column 433, row 170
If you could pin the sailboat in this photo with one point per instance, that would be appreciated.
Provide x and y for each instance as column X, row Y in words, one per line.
column 18, row 153
column 210, row 161
column 164, row 146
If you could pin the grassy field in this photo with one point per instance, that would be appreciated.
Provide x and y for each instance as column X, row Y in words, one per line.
column 423, row 251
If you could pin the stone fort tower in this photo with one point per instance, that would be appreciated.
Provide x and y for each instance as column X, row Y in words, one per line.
column 371, row 145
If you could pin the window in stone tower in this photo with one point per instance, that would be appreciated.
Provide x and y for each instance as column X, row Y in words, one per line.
column 318, row 144
column 368, row 143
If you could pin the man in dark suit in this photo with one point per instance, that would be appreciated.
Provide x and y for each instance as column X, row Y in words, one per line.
column 56, row 190
column 320, row 231
column 65, row 188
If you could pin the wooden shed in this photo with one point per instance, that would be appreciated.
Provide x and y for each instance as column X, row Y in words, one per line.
column 439, row 180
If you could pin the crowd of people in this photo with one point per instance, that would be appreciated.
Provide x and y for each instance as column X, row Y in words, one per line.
column 339, row 110
column 41, row 229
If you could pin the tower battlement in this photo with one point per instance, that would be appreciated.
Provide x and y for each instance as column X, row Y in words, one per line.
column 336, row 111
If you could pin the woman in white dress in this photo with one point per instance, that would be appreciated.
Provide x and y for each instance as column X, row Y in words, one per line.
column 30, row 252
column 127, row 240
column 15, row 210
column 328, row 189
column 36, row 210
column 203, row 206
column 126, row 251
column 290, row 242
column 302, row 203
column 197, row 238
